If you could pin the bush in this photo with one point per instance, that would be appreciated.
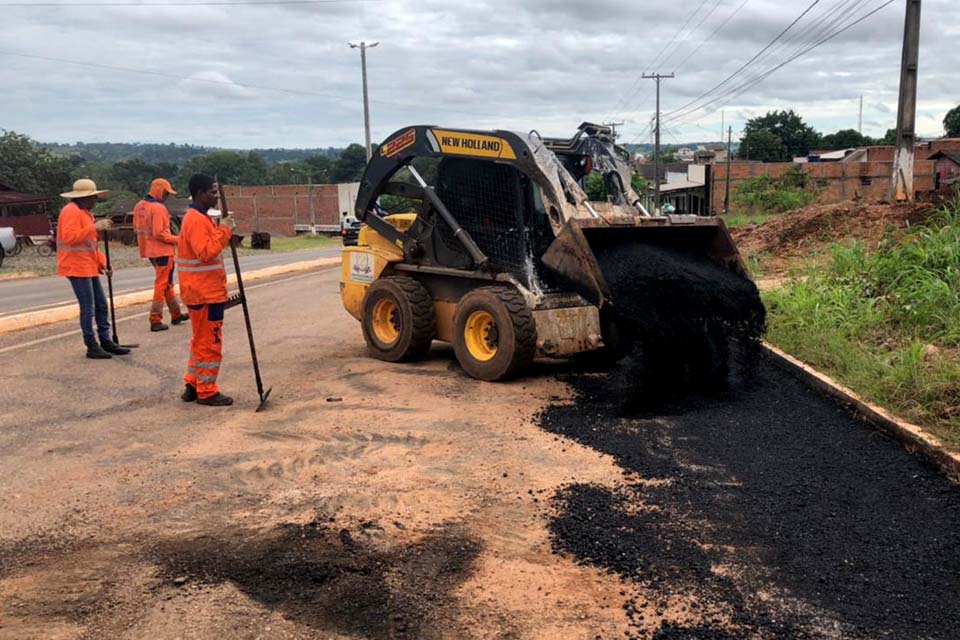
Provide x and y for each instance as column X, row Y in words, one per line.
column 885, row 323
column 766, row 194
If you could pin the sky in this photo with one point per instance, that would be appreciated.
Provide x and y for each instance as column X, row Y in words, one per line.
column 283, row 75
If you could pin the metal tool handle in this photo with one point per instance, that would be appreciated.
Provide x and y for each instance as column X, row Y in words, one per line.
column 243, row 300
column 113, row 310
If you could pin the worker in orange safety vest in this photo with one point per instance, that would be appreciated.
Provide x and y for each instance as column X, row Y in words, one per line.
column 203, row 285
column 80, row 261
column 151, row 221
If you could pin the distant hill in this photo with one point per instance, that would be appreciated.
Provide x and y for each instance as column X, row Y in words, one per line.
column 179, row 154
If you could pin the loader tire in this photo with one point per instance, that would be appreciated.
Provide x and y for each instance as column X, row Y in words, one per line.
column 495, row 335
column 398, row 322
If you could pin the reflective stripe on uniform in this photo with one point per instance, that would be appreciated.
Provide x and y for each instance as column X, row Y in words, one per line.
column 207, row 378
column 77, row 249
column 210, row 267
column 207, row 365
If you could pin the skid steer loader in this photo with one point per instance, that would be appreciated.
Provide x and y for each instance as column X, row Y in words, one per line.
column 487, row 240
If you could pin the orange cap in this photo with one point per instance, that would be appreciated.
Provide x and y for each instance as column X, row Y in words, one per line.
column 160, row 186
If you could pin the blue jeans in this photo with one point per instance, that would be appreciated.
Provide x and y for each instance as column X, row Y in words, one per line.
column 89, row 294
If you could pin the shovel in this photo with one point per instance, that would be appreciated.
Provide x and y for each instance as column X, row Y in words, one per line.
column 241, row 299
column 113, row 311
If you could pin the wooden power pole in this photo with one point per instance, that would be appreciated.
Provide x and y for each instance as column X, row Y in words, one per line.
column 656, row 146
column 901, row 183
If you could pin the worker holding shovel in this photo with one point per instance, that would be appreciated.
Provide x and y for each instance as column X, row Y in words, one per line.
column 203, row 286
column 80, row 261
column 151, row 220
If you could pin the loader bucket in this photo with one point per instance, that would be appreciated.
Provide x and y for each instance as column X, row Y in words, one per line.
column 574, row 253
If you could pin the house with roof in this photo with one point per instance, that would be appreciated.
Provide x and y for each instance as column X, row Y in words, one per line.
column 28, row 214
column 947, row 168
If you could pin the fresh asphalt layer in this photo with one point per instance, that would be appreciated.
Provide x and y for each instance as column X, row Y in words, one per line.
column 33, row 294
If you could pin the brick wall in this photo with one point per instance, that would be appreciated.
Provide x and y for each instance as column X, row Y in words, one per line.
column 277, row 208
column 834, row 181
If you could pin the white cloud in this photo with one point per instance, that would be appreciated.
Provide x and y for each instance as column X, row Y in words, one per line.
column 212, row 85
column 518, row 64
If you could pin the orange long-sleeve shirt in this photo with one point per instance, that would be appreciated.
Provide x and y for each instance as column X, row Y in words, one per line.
column 78, row 254
column 203, row 279
column 151, row 220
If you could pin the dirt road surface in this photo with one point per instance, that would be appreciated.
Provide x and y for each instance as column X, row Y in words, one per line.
column 408, row 501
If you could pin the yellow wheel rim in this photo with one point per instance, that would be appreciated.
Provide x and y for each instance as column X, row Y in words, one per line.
column 386, row 321
column 481, row 336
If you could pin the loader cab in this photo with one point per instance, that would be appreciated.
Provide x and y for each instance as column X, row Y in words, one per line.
column 497, row 204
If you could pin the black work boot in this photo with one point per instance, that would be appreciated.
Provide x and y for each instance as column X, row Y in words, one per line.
column 159, row 326
column 216, row 400
column 180, row 319
column 94, row 352
column 189, row 393
column 115, row 349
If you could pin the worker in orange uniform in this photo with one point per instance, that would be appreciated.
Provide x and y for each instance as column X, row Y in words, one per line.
column 151, row 220
column 80, row 261
column 203, row 285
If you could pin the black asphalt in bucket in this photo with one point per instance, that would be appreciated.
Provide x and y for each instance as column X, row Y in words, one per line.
column 686, row 324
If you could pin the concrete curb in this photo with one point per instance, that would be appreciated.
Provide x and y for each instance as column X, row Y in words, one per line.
column 72, row 311
column 913, row 437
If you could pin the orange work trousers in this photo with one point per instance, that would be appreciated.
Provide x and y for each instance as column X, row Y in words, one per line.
column 163, row 291
column 206, row 348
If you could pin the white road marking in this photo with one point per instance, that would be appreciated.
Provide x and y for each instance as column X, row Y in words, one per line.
column 67, row 334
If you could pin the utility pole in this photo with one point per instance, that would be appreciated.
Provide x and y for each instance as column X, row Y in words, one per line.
column 656, row 148
column 860, row 119
column 613, row 127
column 363, row 46
column 726, row 194
column 901, row 183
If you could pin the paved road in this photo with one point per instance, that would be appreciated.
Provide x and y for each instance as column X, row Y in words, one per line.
column 32, row 294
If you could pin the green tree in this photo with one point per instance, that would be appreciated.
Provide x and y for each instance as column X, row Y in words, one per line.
column 320, row 168
column 796, row 137
column 26, row 167
column 763, row 145
column 889, row 138
column 136, row 175
column 951, row 122
column 231, row 167
column 845, row 139
column 350, row 165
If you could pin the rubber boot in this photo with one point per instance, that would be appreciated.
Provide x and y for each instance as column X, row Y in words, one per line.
column 216, row 400
column 115, row 349
column 189, row 393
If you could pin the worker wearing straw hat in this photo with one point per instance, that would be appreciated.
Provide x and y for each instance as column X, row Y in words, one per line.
column 80, row 261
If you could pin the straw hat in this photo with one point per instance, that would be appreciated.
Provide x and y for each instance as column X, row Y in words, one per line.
column 84, row 188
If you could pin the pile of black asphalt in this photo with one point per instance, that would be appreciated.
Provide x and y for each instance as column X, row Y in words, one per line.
column 766, row 506
column 768, row 488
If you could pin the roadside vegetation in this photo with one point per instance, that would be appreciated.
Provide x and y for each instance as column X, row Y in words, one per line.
column 768, row 195
column 886, row 323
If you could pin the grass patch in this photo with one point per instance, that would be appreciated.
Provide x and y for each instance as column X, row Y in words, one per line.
column 298, row 243
column 886, row 324
column 734, row 220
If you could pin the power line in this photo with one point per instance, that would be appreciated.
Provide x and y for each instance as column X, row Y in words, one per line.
column 706, row 16
column 632, row 91
column 746, row 64
column 836, row 14
column 713, row 33
column 736, row 91
column 177, row 3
